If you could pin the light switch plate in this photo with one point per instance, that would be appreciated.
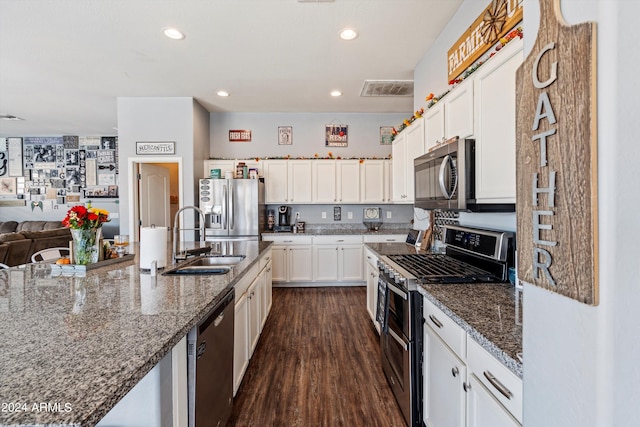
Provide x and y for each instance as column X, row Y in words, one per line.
column 324, row 215
column 388, row 214
column 349, row 215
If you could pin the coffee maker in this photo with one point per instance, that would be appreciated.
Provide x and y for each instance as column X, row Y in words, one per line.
column 284, row 219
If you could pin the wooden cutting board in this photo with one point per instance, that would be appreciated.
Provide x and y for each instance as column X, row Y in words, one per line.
column 556, row 158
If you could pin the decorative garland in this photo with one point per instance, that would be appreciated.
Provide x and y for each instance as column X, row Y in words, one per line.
column 432, row 99
column 316, row 156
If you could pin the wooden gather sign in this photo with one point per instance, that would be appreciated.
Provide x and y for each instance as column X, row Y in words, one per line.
column 556, row 159
column 494, row 22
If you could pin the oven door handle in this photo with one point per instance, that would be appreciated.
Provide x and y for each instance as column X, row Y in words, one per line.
column 397, row 291
column 398, row 340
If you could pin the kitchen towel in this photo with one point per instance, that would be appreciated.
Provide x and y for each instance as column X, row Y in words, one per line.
column 153, row 246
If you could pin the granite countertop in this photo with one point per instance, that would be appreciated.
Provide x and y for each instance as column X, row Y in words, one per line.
column 344, row 230
column 491, row 313
column 82, row 343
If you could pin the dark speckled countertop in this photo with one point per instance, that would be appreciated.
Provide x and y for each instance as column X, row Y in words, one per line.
column 491, row 313
column 84, row 342
column 347, row 229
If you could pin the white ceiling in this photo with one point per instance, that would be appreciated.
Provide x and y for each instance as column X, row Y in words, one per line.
column 63, row 63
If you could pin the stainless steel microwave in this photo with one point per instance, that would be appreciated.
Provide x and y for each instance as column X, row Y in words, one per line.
column 445, row 177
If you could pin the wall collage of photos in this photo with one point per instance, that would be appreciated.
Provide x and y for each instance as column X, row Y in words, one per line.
column 58, row 170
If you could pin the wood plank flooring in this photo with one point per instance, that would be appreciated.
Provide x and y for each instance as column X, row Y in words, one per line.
column 317, row 364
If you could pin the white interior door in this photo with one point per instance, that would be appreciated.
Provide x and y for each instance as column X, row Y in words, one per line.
column 154, row 191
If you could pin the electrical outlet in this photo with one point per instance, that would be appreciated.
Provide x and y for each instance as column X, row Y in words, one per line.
column 324, row 215
column 388, row 214
column 349, row 215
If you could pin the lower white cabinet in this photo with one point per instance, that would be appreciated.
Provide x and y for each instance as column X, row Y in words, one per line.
column 252, row 306
column 371, row 271
column 338, row 258
column 292, row 258
column 464, row 385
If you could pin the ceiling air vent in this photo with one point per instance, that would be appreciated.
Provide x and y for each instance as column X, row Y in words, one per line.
column 387, row 88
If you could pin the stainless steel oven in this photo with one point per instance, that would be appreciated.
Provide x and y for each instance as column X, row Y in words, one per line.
column 401, row 342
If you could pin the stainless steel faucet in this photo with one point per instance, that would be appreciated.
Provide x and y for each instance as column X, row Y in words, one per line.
column 176, row 230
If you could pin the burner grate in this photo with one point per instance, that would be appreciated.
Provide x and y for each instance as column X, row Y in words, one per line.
column 437, row 268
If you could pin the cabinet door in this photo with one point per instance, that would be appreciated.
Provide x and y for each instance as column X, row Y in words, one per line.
column 495, row 109
column 223, row 165
column 373, row 181
column 276, row 181
column 434, row 124
column 299, row 188
column 268, row 284
column 388, row 180
column 300, row 263
column 348, row 181
column 399, row 159
column 458, row 111
column 415, row 148
column 444, row 375
column 351, row 262
column 324, row 181
column 255, row 319
column 325, row 263
column 372, row 293
column 279, row 264
column 483, row 410
column 240, row 341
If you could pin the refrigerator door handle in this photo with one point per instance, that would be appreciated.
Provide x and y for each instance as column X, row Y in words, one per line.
column 232, row 222
column 224, row 207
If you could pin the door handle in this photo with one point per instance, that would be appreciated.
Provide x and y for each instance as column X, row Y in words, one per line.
column 224, row 207
column 397, row 291
column 435, row 321
column 398, row 340
column 498, row 385
column 231, row 219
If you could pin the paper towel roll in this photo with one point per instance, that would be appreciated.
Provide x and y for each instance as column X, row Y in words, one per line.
column 153, row 246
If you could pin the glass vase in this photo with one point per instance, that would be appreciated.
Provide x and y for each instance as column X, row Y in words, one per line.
column 86, row 245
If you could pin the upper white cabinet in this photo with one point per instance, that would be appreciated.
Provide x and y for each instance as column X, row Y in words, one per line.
column 324, row 181
column 348, row 182
column 407, row 145
column 452, row 116
column 495, row 123
column 288, row 181
column 375, row 181
column 223, row 165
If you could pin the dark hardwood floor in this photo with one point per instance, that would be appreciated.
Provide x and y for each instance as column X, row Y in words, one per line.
column 317, row 364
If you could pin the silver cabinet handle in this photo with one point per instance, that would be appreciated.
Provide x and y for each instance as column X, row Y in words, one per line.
column 398, row 339
column 498, row 385
column 340, row 240
column 435, row 321
column 466, row 387
column 455, row 371
column 287, row 241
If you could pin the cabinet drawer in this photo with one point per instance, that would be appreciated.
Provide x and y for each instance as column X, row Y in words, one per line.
column 245, row 281
column 288, row 240
column 450, row 332
column 503, row 384
column 337, row 240
column 385, row 238
column 371, row 258
column 265, row 259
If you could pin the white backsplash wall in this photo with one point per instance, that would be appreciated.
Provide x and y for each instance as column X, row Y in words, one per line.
column 312, row 214
column 308, row 134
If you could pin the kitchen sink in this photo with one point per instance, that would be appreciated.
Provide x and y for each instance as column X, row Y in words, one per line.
column 207, row 265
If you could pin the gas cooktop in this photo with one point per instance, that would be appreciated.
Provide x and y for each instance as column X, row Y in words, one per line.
column 437, row 268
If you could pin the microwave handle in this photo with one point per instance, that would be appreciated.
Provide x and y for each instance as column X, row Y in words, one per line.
column 443, row 169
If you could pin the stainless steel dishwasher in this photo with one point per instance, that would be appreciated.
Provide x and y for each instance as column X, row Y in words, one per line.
column 210, row 366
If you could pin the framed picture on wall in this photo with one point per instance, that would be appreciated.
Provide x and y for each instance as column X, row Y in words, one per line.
column 336, row 135
column 386, row 135
column 285, row 135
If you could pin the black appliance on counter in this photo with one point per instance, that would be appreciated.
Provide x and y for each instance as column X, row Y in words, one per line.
column 472, row 255
column 284, row 219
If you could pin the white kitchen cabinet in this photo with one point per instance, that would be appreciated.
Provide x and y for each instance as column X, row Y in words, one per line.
column 292, row 258
column 375, row 181
column 223, row 165
column 287, row 181
column 434, row 124
column 338, row 259
column 385, row 238
column 407, row 145
column 240, row 341
column 458, row 111
column 495, row 125
column 371, row 271
column 266, row 294
column 324, row 181
column 444, row 374
column 348, row 181
column 254, row 294
column 483, row 410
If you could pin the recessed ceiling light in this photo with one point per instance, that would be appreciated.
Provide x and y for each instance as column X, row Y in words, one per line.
column 348, row 34
column 223, row 93
column 336, row 93
column 173, row 33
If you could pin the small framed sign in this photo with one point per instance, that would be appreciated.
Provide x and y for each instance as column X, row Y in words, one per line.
column 285, row 135
column 386, row 135
column 239, row 135
column 336, row 135
column 153, row 148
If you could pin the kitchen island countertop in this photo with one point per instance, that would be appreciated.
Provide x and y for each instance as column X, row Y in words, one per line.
column 79, row 344
column 489, row 312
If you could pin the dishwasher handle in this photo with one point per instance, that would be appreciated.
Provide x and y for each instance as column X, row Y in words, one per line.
column 216, row 315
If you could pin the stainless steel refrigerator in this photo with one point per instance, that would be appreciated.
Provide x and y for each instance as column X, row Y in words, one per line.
column 233, row 208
